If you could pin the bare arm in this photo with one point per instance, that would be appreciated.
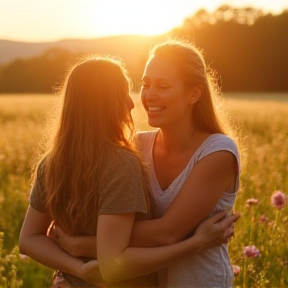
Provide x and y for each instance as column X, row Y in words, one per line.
column 77, row 246
column 118, row 261
column 33, row 240
column 36, row 244
column 209, row 179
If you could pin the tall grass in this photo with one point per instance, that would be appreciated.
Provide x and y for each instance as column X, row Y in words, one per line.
column 263, row 126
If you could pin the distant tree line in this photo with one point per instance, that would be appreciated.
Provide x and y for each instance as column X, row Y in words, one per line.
column 41, row 74
column 246, row 47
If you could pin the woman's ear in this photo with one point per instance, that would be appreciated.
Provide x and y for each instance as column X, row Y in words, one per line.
column 196, row 94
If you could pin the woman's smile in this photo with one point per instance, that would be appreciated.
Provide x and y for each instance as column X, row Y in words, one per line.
column 153, row 109
column 164, row 94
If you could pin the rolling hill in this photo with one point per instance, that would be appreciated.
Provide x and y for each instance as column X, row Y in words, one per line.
column 131, row 48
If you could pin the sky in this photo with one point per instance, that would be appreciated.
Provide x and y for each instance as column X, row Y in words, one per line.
column 52, row 20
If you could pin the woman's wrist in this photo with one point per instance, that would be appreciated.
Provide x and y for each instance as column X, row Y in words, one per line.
column 76, row 247
column 198, row 243
column 78, row 270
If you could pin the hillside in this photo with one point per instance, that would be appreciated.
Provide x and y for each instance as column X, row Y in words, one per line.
column 131, row 48
column 243, row 56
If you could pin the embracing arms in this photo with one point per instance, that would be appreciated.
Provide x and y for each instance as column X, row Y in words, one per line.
column 36, row 244
column 209, row 179
column 118, row 261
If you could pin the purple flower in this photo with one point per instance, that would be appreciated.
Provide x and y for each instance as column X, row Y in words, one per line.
column 236, row 270
column 251, row 251
column 263, row 219
column 278, row 199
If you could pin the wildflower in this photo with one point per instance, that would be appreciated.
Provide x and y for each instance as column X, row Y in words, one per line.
column 271, row 223
column 278, row 199
column 23, row 257
column 251, row 251
column 236, row 270
column 251, row 202
column 263, row 218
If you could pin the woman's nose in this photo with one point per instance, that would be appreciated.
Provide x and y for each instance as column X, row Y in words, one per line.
column 149, row 93
column 130, row 103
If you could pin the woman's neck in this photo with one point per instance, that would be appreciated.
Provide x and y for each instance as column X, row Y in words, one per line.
column 176, row 140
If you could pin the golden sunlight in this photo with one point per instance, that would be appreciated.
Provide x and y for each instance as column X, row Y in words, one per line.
column 100, row 18
column 136, row 17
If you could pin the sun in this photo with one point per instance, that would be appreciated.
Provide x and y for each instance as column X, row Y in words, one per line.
column 134, row 17
column 51, row 20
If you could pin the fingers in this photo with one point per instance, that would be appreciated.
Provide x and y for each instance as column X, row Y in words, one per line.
column 51, row 233
column 218, row 216
column 54, row 236
column 226, row 225
column 229, row 232
column 58, row 230
column 55, row 232
column 230, row 220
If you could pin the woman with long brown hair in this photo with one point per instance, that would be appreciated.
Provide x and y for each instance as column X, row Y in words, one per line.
column 91, row 181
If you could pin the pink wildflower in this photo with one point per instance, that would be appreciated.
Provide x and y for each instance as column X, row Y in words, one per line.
column 263, row 219
column 251, row 202
column 23, row 257
column 278, row 199
column 251, row 251
column 236, row 270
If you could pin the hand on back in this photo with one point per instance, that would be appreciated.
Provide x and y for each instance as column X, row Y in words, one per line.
column 66, row 242
column 216, row 230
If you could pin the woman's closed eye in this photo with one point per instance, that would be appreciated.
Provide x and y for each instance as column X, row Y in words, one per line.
column 159, row 86
column 164, row 86
column 145, row 85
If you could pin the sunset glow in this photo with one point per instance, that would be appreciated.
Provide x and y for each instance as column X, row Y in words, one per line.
column 45, row 20
column 137, row 17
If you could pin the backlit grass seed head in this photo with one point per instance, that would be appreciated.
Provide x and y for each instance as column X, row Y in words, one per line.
column 278, row 199
column 23, row 257
column 251, row 202
column 251, row 251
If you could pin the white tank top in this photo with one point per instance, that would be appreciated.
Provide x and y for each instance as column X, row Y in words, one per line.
column 211, row 268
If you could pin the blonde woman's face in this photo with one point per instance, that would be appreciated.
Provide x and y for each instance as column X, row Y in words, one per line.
column 164, row 96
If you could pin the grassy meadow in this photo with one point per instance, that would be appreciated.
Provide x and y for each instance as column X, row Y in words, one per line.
column 262, row 120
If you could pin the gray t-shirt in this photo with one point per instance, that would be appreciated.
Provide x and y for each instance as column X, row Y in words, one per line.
column 122, row 192
column 211, row 268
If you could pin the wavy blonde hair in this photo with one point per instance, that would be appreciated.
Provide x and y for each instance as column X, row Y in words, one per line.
column 94, row 118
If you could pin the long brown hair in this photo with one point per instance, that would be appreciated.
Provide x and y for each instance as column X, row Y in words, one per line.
column 95, row 117
column 190, row 62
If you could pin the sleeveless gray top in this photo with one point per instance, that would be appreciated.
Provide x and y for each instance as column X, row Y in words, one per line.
column 211, row 268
